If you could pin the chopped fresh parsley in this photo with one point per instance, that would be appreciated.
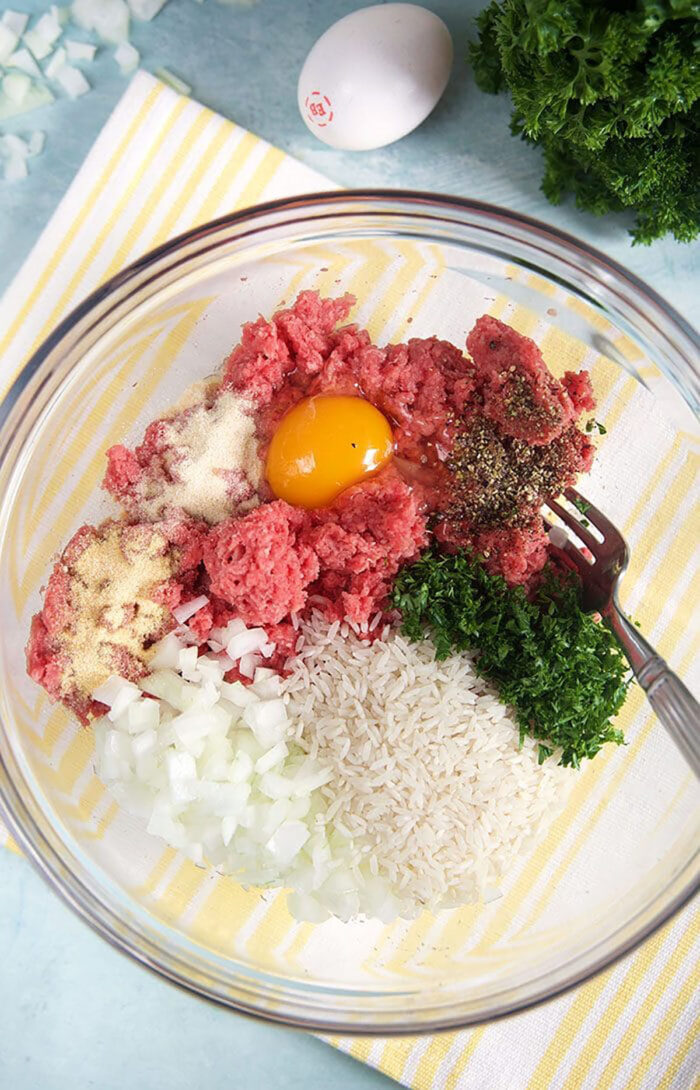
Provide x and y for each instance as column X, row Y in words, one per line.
column 563, row 673
column 596, row 424
column 581, row 505
column 611, row 94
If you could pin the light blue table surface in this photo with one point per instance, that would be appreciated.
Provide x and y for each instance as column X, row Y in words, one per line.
column 73, row 1013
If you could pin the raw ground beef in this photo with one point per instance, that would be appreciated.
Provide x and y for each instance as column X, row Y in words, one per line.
column 260, row 565
column 108, row 598
column 480, row 442
column 433, row 394
column 200, row 460
column 519, row 393
column 267, row 564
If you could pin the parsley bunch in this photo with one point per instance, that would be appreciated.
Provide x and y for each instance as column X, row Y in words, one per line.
column 563, row 673
column 610, row 92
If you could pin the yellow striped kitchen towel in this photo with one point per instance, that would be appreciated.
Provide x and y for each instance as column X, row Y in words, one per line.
column 164, row 164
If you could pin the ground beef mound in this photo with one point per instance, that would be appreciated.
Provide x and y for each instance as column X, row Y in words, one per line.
column 361, row 541
column 267, row 564
column 108, row 598
column 199, row 461
column 480, row 442
column 260, row 565
column 519, row 393
column 297, row 340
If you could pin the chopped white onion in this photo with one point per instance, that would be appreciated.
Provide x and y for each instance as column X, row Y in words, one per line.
column 268, row 721
column 8, row 42
column 146, row 9
column 108, row 18
column 15, row 169
column 273, row 757
column 266, row 687
column 38, row 95
column 23, row 60
column 16, row 86
column 127, row 694
column 60, row 14
column 213, row 769
column 166, row 653
column 246, row 642
column 48, row 27
column 72, row 81
column 16, row 21
column 241, row 767
column 248, row 664
column 187, row 662
column 55, row 63
column 14, row 145
column 306, row 907
column 37, row 139
column 144, row 743
column 107, row 692
column 238, row 694
column 288, row 840
column 80, row 51
column 185, row 610
column 142, row 715
column 37, row 44
column 169, row 687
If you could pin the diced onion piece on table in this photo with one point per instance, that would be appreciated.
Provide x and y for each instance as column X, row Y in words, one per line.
column 146, row 9
column 48, row 27
column 12, row 144
column 37, row 44
column 8, row 42
column 37, row 95
column 80, row 51
column 126, row 57
column 72, row 81
column 15, row 169
column 37, row 139
column 108, row 18
column 24, row 61
column 55, row 63
column 16, row 86
column 15, row 21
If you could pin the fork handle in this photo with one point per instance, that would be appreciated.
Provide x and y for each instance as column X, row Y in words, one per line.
column 674, row 704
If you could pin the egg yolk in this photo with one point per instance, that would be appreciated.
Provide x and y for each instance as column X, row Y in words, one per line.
column 325, row 444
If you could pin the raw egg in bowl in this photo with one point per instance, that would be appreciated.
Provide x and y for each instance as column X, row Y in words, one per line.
column 325, row 444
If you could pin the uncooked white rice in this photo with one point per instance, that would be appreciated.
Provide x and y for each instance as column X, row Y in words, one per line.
column 430, row 780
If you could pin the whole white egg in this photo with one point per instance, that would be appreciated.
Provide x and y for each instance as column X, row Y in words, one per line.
column 374, row 76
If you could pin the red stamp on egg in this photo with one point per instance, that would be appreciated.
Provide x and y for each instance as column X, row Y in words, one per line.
column 319, row 109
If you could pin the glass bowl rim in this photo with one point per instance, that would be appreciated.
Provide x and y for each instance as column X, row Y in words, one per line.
column 66, row 883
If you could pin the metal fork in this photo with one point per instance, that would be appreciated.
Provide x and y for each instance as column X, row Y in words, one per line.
column 673, row 703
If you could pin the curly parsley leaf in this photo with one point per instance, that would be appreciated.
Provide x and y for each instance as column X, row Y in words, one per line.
column 611, row 92
column 563, row 673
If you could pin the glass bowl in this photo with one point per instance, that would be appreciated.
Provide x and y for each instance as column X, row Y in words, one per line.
column 622, row 857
